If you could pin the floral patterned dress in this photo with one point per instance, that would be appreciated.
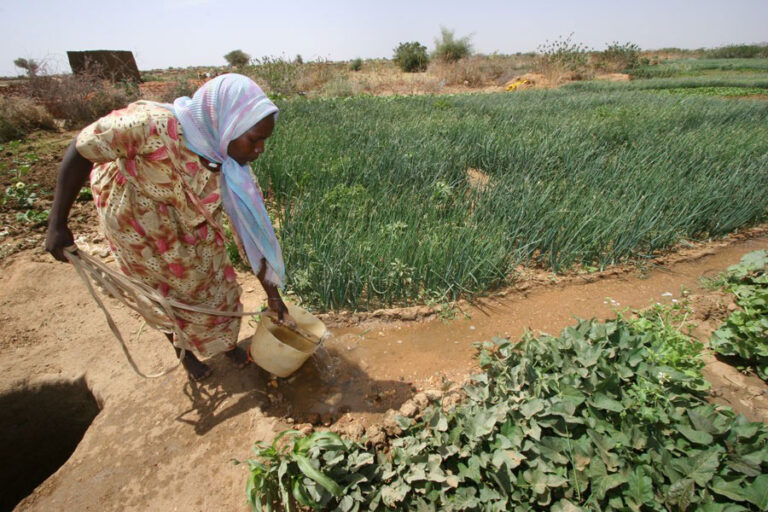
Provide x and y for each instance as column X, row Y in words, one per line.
column 160, row 210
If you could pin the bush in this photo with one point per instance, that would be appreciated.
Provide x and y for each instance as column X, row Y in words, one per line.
column 237, row 58
column 314, row 75
column 450, row 49
column 411, row 57
column 181, row 88
column 31, row 66
column 19, row 116
column 356, row 64
column 619, row 57
column 560, row 57
column 475, row 70
column 340, row 87
column 276, row 74
column 80, row 99
column 739, row 51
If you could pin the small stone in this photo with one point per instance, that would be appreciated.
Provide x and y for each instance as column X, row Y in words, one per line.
column 399, row 342
column 732, row 306
column 376, row 435
column 305, row 428
column 409, row 409
column 273, row 384
column 355, row 431
column 390, row 423
column 433, row 395
column 421, row 400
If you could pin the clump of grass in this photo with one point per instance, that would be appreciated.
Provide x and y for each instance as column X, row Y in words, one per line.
column 618, row 57
column 20, row 116
column 563, row 59
column 474, row 71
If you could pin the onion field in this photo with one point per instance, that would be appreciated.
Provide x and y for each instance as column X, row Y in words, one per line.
column 398, row 200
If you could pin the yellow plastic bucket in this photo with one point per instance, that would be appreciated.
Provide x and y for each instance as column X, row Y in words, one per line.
column 280, row 350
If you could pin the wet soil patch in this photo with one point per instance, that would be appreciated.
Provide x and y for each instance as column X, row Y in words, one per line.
column 40, row 427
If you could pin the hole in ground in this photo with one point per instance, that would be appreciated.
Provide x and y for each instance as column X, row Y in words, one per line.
column 40, row 427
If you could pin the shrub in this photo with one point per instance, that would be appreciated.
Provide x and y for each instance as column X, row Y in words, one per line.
column 450, row 49
column 356, row 64
column 31, row 66
column 560, row 57
column 181, row 88
column 314, row 75
column 80, row 99
column 739, row 51
column 299, row 59
column 411, row 57
column 237, row 58
column 340, row 87
column 19, row 116
column 277, row 74
column 619, row 56
column 475, row 70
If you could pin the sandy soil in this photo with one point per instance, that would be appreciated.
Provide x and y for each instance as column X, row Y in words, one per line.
column 167, row 444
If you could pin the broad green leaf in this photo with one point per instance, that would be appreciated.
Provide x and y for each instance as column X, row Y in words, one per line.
column 311, row 472
column 695, row 436
column 639, row 489
column 680, row 493
column 730, row 489
column 700, row 467
column 531, row 407
column 394, row 493
column 602, row 485
column 603, row 401
column 757, row 492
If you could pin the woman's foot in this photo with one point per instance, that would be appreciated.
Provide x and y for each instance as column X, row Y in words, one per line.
column 196, row 369
column 238, row 356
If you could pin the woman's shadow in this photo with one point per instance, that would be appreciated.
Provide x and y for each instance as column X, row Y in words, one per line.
column 327, row 386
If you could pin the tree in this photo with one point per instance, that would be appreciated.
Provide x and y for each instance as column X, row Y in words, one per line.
column 237, row 58
column 411, row 57
column 450, row 49
column 30, row 65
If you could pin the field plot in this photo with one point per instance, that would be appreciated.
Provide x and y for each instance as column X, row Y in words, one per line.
column 394, row 200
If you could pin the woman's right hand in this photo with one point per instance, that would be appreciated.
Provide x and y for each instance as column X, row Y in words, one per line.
column 57, row 239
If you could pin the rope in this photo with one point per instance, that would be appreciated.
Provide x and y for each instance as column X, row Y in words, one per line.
column 146, row 301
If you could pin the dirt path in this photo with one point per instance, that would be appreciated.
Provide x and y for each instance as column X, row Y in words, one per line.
column 167, row 444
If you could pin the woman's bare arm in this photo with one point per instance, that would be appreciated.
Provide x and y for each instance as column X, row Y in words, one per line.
column 73, row 172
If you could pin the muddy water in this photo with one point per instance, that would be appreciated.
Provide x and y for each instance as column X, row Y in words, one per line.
column 372, row 368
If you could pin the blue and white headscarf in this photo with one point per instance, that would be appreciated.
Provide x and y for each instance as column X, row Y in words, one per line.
column 220, row 111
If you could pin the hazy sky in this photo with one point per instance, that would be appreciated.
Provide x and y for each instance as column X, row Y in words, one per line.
column 180, row 33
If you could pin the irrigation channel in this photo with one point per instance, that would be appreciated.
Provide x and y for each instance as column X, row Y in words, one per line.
column 168, row 444
column 360, row 357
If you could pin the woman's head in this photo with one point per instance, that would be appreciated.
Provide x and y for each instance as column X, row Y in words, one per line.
column 248, row 146
column 228, row 109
